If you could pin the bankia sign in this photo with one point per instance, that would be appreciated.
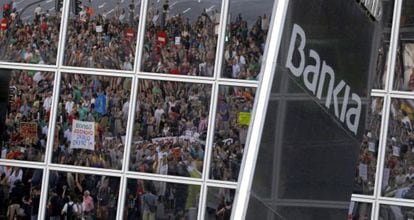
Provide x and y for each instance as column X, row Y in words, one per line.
column 317, row 110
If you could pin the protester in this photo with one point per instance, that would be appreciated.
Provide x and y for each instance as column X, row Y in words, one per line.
column 160, row 200
column 31, row 40
column 82, row 196
column 101, row 102
column 27, row 115
column 101, row 40
column 19, row 192
column 170, row 128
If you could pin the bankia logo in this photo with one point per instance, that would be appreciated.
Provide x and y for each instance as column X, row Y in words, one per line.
column 315, row 79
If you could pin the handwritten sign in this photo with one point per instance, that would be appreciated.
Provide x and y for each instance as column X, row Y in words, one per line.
column 83, row 135
column 28, row 130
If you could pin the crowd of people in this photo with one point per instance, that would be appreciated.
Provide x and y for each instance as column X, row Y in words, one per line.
column 179, row 45
column 27, row 115
column 102, row 40
column 82, row 196
column 219, row 203
column 29, row 40
column 150, row 200
column 19, row 192
column 232, row 123
column 244, row 48
column 170, row 128
column 101, row 100
column 399, row 156
column 365, row 174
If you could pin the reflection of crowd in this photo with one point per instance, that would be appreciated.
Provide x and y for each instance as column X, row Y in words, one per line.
column 219, row 203
column 19, row 193
column 396, row 212
column 170, row 128
column 230, row 132
column 30, row 100
column 150, row 200
column 399, row 157
column 100, row 99
column 33, row 41
column 244, row 48
column 367, row 161
column 82, row 196
column 100, row 41
column 180, row 46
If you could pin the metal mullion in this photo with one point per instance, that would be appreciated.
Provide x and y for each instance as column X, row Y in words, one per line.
column 43, row 194
column 382, row 149
column 24, row 66
column 225, row 4
column 244, row 81
column 237, row 84
column 121, row 197
column 140, row 35
column 392, row 54
column 363, row 200
column 86, row 71
column 63, row 32
column 169, row 78
column 173, row 76
column 231, row 185
column 203, row 202
column 83, row 169
column 396, row 202
column 254, row 135
column 378, row 93
column 22, row 164
column 375, row 210
column 167, row 179
column 360, row 196
column 99, row 70
column 162, row 177
column 401, row 94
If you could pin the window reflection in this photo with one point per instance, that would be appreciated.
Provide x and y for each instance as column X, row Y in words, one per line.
column 25, row 116
column 359, row 210
column 219, row 203
column 170, row 128
column 233, row 117
column 398, row 165
column 396, row 212
column 20, row 190
column 81, row 196
column 182, row 39
column 147, row 199
column 245, row 39
column 364, row 182
column 29, row 33
column 91, row 121
column 102, row 34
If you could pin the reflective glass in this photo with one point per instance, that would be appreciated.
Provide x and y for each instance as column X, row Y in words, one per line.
column 102, row 34
column 81, row 196
column 29, row 31
column 399, row 153
column 359, row 211
column 26, row 100
column 219, row 203
column 396, row 212
column 91, row 120
column 20, row 190
column 170, row 128
column 233, row 116
column 364, row 181
column 181, row 37
column 245, row 39
column 146, row 199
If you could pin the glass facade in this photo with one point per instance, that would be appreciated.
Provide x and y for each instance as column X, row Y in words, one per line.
column 135, row 109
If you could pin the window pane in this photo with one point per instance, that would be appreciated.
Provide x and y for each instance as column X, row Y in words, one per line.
column 102, row 34
column 146, row 199
column 245, row 39
column 219, row 203
column 398, row 164
column 359, row 210
column 183, row 39
column 234, row 108
column 20, row 190
column 364, row 182
column 170, row 128
column 26, row 100
column 91, row 120
column 87, row 195
column 29, row 31
column 396, row 212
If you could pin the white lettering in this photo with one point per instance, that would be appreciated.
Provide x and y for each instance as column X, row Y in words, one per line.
column 356, row 112
column 311, row 84
column 297, row 31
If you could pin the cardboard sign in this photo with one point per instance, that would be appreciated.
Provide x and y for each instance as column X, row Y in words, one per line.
column 83, row 135
column 244, row 118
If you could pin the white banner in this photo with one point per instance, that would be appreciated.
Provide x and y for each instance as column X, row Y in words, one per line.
column 83, row 135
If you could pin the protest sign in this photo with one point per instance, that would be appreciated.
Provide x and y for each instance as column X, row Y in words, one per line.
column 28, row 130
column 244, row 118
column 83, row 135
